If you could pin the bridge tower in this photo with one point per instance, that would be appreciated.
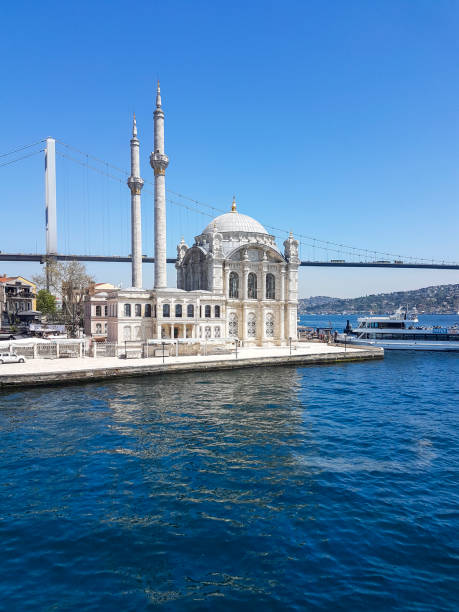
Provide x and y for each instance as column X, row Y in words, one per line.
column 159, row 162
column 135, row 184
column 50, row 197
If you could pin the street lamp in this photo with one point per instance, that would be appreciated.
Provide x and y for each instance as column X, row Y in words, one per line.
column 164, row 344
column 236, row 341
column 290, row 343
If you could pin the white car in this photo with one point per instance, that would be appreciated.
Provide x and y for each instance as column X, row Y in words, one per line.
column 11, row 358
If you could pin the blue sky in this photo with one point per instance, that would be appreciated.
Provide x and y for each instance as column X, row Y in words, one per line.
column 338, row 120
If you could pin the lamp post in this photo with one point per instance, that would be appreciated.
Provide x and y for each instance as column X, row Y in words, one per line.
column 290, row 343
column 236, row 341
column 164, row 344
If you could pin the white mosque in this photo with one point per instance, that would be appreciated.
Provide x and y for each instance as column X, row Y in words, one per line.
column 233, row 283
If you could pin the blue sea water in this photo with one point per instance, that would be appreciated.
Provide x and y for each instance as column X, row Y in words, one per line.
column 296, row 488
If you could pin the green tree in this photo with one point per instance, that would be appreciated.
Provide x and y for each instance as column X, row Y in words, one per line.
column 46, row 303
column 70, row 281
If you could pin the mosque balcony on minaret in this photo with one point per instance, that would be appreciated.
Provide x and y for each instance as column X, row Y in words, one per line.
column 135, row 184
column 159, row 163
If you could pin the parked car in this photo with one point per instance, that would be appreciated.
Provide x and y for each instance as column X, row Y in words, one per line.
column 11, row 358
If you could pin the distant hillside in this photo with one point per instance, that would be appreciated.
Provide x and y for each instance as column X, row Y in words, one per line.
column 443, row 299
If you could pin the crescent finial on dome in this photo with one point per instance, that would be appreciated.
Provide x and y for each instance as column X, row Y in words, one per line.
column 233, row 205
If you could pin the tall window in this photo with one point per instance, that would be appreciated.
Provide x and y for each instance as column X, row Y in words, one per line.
column 148, row 310
column 233, row 330
column 127, row 310
column 217, row 312
column 269, row 329
column 106, row 327
column 106, row 310
column 252, row 286
column 98, row 328
column 251, row 325
column 234, row 285
column 126, row 332
column 207, row 331
column 178, row 310
column 138, row 310
column 207, row 311
column 166, row 310
column 270, row 287
column 217, row 332
column 98, row 311
column 190, row 310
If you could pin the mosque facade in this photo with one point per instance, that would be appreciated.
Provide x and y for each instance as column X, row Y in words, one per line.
column 233, row 282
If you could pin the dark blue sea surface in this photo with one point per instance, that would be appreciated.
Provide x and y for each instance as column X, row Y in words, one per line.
column 294, row 488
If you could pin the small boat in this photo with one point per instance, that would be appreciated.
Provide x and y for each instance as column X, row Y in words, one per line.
column 400, row 331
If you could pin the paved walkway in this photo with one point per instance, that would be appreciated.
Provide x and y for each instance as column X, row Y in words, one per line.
column 57, row 366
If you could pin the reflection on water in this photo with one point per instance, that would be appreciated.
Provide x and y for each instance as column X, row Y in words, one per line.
column 332, row 487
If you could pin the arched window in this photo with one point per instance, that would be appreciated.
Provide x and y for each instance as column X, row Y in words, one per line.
column 252, row 325
column 98, row 328
column 252, row 286
column 207, row 331
column 166, row 310
column 269, row 325
column 178, row 310
column 148, row 310
column 126, row 332
column 106, row 327
column 98, row 311
column 270, row 287
column 127, row 310
column 138, row 310
column 234, row 285
column 217, row 312
column 190, row 310
column 217, row 332
column 207, row 312
column 233, row 330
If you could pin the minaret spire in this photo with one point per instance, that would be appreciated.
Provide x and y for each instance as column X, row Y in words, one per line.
column 158, row 96
column 159, row 162
column 135, row 184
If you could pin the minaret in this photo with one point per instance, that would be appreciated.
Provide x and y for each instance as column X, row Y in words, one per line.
column 135, row 184
column 159, row 162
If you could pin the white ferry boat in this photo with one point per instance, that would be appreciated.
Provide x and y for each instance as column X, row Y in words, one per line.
column 400, row 331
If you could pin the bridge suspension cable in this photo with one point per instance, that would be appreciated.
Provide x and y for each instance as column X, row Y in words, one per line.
column 13, row 161
column 18, row 149
column 310, row 242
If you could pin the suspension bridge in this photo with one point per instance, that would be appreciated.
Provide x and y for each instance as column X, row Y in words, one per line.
column 321, row 253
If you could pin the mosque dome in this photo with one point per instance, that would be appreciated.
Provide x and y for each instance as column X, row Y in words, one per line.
column 234, row 221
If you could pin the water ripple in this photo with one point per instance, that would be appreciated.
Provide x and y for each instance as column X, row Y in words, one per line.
column 331, row 488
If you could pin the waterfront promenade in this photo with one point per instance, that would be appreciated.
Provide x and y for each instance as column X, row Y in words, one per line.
column 63, row 371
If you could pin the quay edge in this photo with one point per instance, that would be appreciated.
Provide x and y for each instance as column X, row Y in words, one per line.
column 10, row 381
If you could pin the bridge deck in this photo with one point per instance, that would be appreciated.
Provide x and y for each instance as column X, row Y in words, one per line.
column 41, row 258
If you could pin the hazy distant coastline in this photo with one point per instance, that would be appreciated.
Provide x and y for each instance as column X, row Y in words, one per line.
column 442, row 299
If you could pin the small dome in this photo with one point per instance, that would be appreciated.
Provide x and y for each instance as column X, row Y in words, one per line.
column 234, row 222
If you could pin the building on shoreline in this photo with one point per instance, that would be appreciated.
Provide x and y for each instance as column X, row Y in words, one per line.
column 18, row 297
column 233, row 283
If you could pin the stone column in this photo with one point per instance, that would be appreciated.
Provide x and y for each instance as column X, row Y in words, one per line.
column 226, row 287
